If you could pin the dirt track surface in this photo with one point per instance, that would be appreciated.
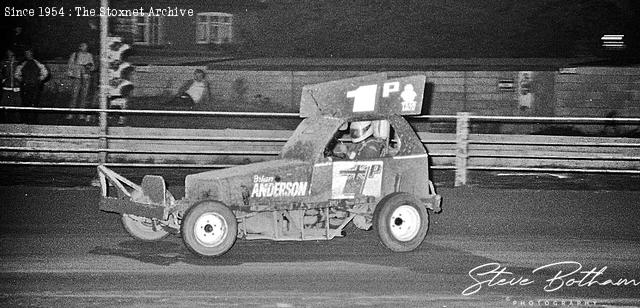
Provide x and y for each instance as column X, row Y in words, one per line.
column 65, row 176
column 59, row 250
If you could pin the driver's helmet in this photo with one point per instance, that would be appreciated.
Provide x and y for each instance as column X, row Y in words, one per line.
column 361, row 130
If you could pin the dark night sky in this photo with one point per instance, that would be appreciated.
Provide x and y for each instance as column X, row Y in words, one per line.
column 402, row 29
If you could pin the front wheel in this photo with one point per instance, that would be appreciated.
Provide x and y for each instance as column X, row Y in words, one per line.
column 209, row 229
column 401, row 222
column 143, row 228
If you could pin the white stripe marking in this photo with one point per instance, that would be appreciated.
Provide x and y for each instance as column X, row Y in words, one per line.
column 411, row 156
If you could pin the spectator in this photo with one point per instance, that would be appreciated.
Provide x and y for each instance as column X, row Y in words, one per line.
column 19, row 41
column 10, row 87
column 195, row 92
column 80, row 67
column 31, row 74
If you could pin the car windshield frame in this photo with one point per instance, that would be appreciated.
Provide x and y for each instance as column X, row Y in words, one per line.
column 310, row 138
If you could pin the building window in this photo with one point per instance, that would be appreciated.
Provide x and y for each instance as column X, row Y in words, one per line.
column 148, row 30
column 214, row 28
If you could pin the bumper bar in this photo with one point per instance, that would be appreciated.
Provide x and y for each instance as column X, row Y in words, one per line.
column 151, row 199
column 433, row 201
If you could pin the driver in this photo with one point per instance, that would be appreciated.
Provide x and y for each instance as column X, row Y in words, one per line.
column 369, row 140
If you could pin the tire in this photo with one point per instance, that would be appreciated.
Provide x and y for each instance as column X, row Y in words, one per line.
column 142, row 228
column 209, row 229
column 401, row 222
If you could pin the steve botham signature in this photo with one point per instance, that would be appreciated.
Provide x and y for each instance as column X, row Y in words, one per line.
column 567, row 274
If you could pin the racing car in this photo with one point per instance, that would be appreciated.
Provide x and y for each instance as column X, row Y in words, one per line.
column 352, row 159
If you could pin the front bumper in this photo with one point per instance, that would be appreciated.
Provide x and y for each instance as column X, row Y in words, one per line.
column 433, row 202
column 150, row 200
column 124, row 206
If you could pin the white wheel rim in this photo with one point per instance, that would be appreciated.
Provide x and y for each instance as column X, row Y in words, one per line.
column 210, row 229
column 404, row 223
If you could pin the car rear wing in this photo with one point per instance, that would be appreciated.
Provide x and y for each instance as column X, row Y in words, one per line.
column 150, row 199
column 364, row 96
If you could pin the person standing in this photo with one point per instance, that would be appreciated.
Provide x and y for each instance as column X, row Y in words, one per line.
column 80, row 67
column 10, row 87
column 19, row 41
column 31, row 74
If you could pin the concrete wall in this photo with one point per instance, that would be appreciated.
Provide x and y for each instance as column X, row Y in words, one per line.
column 587, row 91
column 599, row 91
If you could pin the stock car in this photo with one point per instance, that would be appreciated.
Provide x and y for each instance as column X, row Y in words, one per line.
column 308, row 193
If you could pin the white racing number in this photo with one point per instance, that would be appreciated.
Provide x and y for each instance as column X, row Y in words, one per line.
column 389, row 88
column 364, row 97
column 350, row 178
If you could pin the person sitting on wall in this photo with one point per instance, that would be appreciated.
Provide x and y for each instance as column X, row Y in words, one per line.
column 194, row 92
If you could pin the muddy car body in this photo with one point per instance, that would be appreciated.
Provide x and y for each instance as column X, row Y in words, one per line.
column 308, row 193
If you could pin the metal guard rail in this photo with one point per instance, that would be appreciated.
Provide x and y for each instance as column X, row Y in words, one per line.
column 462, row 153
column 295, row 115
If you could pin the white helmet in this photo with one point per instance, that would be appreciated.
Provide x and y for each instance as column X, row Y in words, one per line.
column 363, row 129
column 360, row 130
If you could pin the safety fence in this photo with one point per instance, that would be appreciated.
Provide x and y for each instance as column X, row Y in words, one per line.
column 462, row 151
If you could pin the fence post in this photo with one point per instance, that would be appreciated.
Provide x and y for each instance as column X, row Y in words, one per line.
column 293, row 100
column 104, row 81
column 462, row 148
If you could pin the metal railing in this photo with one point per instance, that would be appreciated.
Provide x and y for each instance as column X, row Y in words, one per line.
column 459, row 153
column 152, row 112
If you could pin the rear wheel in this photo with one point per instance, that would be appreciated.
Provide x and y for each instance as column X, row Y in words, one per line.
column 401, row 222
column 209, row 229
column 143, row 228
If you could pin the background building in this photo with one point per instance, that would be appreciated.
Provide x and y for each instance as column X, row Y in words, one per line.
column 358, row 28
